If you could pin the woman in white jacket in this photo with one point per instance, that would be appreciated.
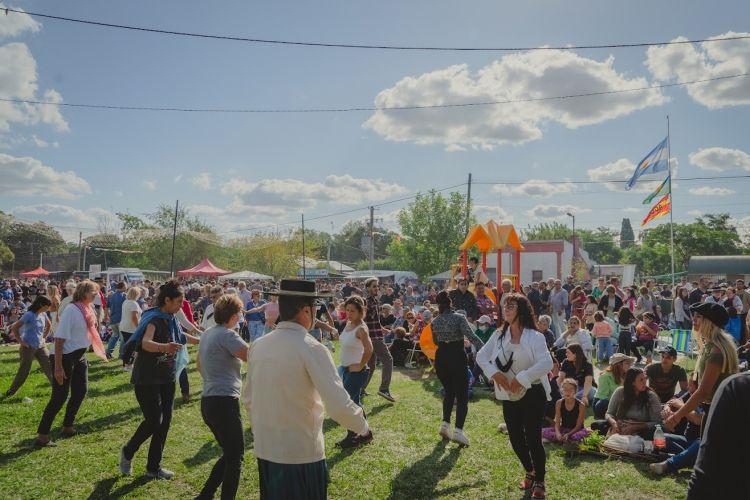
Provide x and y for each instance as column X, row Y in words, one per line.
column 517, row 360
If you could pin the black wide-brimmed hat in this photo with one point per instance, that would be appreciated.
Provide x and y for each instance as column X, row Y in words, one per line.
column 299, row 288
column 713, row 312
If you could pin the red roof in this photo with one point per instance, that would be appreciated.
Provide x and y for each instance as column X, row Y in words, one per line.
column 39, row 271
column 204, row 268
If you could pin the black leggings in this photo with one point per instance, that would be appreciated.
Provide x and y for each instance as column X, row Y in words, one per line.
column 76, row 383
column 222, row 415
column 625, row 344
column 156, row 404
column 524, row 421
column 451, row 368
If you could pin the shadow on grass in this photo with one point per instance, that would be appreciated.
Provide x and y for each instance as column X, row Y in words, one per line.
column 421, row 478
column 102, row 423
column 97, row 391
column 22, row 448
column 103, row 488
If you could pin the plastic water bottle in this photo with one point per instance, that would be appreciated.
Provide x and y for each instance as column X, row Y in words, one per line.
column 660, row 442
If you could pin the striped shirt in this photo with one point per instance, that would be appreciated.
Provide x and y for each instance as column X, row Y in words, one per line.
column 372, row 318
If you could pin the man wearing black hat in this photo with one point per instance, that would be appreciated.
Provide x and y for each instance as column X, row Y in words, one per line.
column 290, row 377
column 663, row 377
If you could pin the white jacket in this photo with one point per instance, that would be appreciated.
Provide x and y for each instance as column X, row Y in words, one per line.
column 533, row 345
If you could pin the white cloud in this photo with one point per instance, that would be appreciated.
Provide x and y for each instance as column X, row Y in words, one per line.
column 686, row 62
column 14, row 24
column 743, row 228
column 555, row 211
column 621, row 170
column 119, row 194
column 41, row 143
column 529, row 75
column 696, row 213
column 66, row 219
column 485, row 212
column 202, row 181
column 150, row 185
column 535, row 188
column 18, row 80
column 178, row 178
column 298, row 194
column 25, row 176
column 632, row 210
column 711, row 191
column 720, row 159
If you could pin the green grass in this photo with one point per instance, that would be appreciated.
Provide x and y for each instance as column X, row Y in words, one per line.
column 406, row 460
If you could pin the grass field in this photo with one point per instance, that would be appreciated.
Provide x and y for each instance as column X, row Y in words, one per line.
column 406, row 460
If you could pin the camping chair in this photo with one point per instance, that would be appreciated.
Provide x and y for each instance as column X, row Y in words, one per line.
column 683, row 342
column 410, row 358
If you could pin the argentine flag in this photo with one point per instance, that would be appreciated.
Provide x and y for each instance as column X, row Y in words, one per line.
column 655, row 161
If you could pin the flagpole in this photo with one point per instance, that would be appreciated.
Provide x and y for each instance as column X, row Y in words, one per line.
column 671, row 202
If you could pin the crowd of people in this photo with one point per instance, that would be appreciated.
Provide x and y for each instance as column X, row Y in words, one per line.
column 552, row 352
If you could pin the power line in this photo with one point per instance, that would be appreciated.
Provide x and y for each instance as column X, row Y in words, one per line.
column 363, row 109
column 684, row 179
column 343, row 45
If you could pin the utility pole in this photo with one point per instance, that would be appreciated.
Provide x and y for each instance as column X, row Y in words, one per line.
column 304, row 258
column 468, row 204
column 80, row 248
column 372, row 237
column 174, row 236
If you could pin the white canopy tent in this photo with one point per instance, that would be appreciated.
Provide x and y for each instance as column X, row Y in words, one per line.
column 245, row 275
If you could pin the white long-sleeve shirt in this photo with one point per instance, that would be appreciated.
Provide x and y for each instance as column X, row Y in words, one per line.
column 535, row 349
column 290, row 377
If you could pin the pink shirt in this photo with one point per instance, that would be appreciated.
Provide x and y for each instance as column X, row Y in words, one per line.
column 601, row 329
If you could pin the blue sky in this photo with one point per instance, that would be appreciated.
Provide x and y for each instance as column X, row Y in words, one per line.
column 70, row 167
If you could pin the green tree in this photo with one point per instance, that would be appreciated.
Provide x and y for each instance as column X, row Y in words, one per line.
column 627, row 236
column 6, row 254
column 27, row 242
column 433, row 227
column 351, row 244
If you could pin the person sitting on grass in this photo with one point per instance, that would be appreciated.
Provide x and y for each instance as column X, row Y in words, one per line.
column 400, row 346
column 543, row 323
column 577, row 367
column 569, row 416
column 610, row 379
column 602, row 332
column 484, row 328
column 634, row 408
column 574, row 334
column 663, row 377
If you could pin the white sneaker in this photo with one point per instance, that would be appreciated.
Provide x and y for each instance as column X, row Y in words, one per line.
column 460, row 438
column 126, row 467
column 445, row 430
column 502, row 428
column 659, row 468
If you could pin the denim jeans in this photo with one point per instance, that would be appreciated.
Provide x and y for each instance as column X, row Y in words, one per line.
column 602, row 348
column 354, row 382
column 114, row 339
column 256, row 329
column 686, row 458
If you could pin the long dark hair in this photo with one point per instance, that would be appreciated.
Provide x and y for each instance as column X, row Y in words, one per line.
column 624, row 316
column 524, row 312
column 39, row 302
column 630, row 398
column 169, row 290
column 576, row 349
column 443, row 301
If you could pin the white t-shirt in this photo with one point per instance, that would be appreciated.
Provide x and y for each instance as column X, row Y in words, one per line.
column 208, row 317
column 351, row 347
column 73, row 329
column 126, row 323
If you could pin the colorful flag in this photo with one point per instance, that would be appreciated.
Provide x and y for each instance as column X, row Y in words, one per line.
column 655, row 161
column 661, row 208
column 661, row 190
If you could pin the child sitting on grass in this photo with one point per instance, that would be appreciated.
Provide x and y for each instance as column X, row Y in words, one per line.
column 569, row 416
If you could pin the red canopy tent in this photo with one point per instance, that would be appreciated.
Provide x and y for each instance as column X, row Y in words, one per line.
column 36, row 273
column 204, row 268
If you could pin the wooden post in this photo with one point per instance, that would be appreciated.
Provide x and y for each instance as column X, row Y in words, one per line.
column 484, row 262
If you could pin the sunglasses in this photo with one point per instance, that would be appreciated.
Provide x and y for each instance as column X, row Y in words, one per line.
column 510, row 307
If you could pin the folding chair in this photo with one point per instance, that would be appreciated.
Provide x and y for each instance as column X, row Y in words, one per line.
column 410, row 361
column 683, row 343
